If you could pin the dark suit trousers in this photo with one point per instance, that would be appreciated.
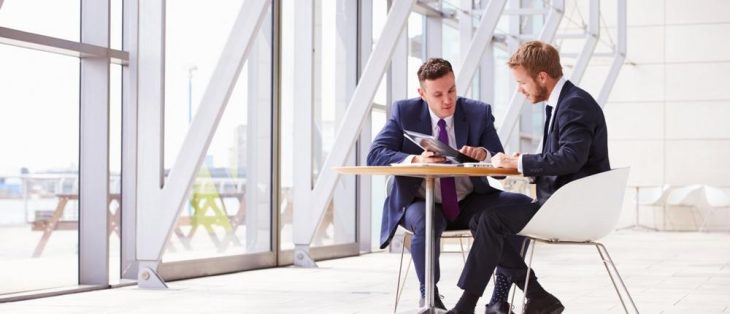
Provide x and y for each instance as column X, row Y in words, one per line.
column 471, row 207
column 496, row 246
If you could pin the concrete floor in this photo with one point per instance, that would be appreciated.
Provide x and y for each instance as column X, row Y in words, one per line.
column 665, row 272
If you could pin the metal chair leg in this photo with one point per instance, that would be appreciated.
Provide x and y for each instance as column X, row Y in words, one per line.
column 606, row 261
column 399, row 287
column 514, row 286
column 531, row 244
column 463, row 252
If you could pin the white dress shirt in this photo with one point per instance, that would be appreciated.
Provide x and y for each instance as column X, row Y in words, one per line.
column 551, row 102
column 463, row 184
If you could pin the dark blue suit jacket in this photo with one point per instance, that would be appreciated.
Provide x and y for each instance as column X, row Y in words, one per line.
column 473, row 126
column 576, row 146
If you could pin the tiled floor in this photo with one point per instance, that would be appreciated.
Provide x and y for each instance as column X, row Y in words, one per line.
column 665, row 272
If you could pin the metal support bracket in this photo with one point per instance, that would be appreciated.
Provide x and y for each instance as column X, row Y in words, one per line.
column 148, row 278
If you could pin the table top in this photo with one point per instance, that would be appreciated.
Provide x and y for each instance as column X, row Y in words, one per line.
column 427, row 171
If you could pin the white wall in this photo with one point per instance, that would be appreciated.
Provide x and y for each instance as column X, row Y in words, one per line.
column 668, row 113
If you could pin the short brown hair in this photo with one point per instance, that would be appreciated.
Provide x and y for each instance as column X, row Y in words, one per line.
column 535, row 57
column 434, row 68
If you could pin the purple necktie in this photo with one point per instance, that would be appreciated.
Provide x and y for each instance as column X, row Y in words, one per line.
column 449, row 203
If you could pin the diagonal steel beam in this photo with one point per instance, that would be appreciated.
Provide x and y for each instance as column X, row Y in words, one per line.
column 515, row 105
column 357, row 112
column 619, row 55
column 156, row 223
column 480, row 42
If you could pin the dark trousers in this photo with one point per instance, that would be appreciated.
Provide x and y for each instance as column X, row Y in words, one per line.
column 496, row 246
column 471, row 208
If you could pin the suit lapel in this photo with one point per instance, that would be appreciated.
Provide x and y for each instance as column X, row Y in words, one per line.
column 424, row 120
column 556, row 111
column 461, row 125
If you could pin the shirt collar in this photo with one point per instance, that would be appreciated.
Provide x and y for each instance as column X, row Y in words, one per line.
column 555, row 94
column 435, row 120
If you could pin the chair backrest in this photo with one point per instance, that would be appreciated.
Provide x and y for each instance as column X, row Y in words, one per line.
column 583, row 210
column 690, row 195
column 716, row 197
column 653, row 196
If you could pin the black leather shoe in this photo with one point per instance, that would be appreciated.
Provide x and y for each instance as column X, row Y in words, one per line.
column 498, row 308
column 546, row 304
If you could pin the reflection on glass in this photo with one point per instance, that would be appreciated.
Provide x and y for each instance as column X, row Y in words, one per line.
column 39, row 123
column 228, row 209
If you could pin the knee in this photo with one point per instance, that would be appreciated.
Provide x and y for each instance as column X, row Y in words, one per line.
column 490, row 220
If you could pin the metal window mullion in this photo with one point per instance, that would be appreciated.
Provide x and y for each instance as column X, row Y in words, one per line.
column 150, row 41
column 258, row 141
column 345, row 195
column 487, row 69
column 432, row 36
column 365, row 37
column 94, row 148
column 303, row 123
column 128, row 215
column 397, row 84
column 466, row 29
column 619, row 55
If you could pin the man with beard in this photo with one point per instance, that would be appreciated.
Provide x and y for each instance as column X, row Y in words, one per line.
column 574, row 146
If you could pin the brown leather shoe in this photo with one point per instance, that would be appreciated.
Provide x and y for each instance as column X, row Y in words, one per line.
column 546, row 304
column 498, row 308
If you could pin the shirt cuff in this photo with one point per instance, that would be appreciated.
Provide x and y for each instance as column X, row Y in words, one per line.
column 408, row 160
column 489, row 155
column 519, row 164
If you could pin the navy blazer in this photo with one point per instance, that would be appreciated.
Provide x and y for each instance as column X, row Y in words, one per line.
column 473, row 126
column 576, row 146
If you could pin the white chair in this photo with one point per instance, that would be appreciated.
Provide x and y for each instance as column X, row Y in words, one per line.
column 649, row 196
column 714, row 198
column 581, row 212
column 687, row 196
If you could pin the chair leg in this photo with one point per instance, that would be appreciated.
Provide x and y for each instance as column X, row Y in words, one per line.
column 608, row 261
column 401, row 284
column 710, row 211
column 514, row 286
column 463, row 252
column 531, row 244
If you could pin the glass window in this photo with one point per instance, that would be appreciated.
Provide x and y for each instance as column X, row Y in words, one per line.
column 39, row 123
column 56, row 18
column 228, row 209
column 333, row 51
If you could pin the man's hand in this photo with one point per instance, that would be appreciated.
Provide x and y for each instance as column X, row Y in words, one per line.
column 501, row 160
column 428, row 157
column 477, row 153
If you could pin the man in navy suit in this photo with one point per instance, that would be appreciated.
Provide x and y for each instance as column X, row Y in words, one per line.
column 465, row 124
column 574, row 146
